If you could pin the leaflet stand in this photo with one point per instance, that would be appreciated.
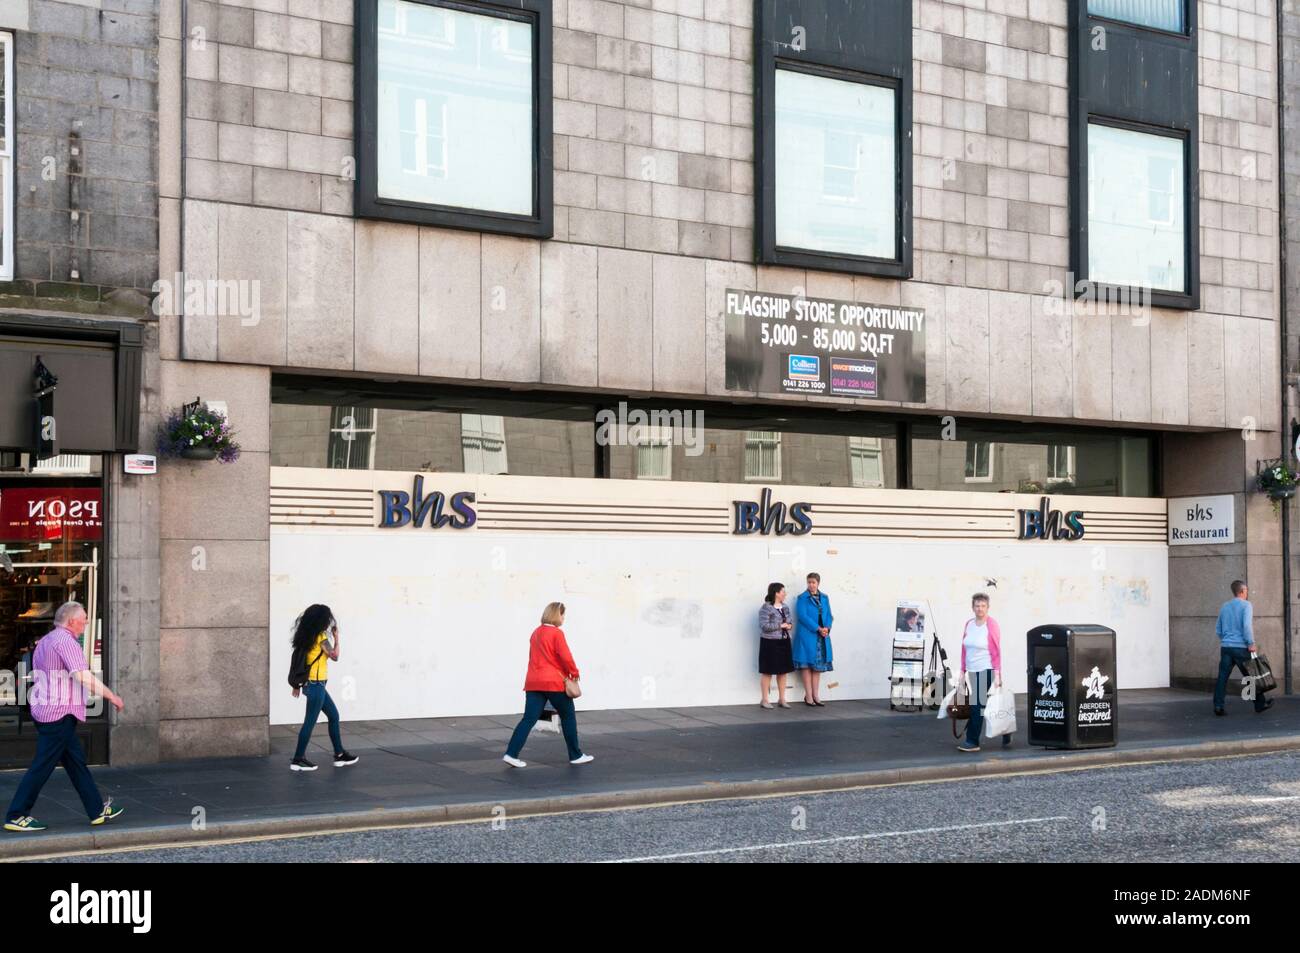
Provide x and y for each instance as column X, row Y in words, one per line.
column 908, row 658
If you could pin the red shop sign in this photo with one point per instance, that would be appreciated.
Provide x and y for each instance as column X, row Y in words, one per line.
column 51, row 513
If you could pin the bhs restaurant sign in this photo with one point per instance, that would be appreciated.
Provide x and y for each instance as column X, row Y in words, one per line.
column 399, row 508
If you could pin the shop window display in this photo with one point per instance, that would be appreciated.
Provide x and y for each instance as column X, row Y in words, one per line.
column 51, row 552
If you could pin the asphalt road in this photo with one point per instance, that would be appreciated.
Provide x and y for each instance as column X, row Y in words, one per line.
column 1216, row 810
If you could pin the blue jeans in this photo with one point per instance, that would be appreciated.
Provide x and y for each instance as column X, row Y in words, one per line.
column 1228, row 658
column 533, row 705
column 56, row 744
column 318, row 700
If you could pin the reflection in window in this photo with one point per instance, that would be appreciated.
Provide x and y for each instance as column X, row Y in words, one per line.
column 423, row 134
column 865, row 461
column 835, row 166
column 352, row 439
column 978, row 467
column 1136, row 221
column 1161, row 14
column 762, row 455
column 455, row 108
column 483, row 443
column 1060, row 463
column 843, row 158
column 654, row 452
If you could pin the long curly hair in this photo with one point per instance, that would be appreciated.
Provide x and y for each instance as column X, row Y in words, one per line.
column 313, row 621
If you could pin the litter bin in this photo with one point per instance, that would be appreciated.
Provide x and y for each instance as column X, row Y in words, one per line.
column 1073, row 701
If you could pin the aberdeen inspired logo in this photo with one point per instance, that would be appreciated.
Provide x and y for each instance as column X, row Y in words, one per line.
column 401, row 508
column 1047, row 523
column 766, row 517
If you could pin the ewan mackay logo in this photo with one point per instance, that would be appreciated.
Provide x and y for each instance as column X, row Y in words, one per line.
column 77, row 906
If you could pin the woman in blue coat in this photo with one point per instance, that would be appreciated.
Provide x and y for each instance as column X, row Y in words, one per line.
column 812, row 638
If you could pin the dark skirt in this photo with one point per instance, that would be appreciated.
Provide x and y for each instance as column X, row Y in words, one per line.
column 775, row 657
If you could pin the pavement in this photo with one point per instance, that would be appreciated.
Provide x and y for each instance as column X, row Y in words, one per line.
column 429, row 771
column 1217, row 810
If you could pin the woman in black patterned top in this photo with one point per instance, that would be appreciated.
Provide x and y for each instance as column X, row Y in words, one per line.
column 774, row 647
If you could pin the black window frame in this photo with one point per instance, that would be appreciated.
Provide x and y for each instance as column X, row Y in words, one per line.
column 875, row 57
column 1188, row 19
column 1128, row 101
column 367, row 203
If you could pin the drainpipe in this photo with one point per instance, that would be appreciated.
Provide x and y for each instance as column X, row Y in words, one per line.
column 1284, row 420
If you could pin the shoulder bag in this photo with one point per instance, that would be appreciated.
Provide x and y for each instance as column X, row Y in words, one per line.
column 935, row 685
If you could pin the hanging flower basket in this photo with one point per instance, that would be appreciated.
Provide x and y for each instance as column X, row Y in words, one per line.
column 195, row 432
column 1277, row 480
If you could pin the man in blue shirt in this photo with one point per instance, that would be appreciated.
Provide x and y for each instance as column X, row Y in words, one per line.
column 1236, row 643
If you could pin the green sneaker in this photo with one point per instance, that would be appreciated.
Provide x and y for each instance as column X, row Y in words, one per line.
column 24, row 825
column 109, row 813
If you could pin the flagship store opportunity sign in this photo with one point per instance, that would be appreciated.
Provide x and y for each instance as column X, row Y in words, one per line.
column 786, row 344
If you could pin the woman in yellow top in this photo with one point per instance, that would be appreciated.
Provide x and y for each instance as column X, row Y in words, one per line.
column 311, row 638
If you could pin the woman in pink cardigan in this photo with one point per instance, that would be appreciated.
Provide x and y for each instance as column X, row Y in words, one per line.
column 981, row 657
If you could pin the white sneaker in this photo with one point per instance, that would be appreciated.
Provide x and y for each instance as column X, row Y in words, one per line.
column 553, row 726
column 583, row 760
column 514, row 762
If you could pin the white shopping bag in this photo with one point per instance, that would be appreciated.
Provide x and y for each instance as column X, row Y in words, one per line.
column 947, row 700
column 1000, row 712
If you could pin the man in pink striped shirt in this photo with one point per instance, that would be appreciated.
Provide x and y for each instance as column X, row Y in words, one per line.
column 60, row 681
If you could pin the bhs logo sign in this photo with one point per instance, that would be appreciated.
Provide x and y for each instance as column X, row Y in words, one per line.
column 765, row 517
column 1047, row 523
column 401, row 508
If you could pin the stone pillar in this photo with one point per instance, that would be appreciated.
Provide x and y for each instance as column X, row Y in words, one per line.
column 215, row 553
column 1199, row 576
column 133, row 585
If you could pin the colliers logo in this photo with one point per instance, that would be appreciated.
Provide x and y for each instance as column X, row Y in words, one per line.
column 765, row 517
column 401, row 508
column 1047, row 523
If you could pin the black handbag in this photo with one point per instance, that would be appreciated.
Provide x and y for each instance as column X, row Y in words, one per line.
column 935, row 684
column 1261, row 670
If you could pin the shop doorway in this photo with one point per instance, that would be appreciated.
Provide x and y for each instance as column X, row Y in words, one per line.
column 52, row 551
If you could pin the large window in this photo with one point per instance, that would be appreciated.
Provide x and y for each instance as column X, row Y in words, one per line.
column 1137, row 225
column 1032, row 461
column 467, row 437
column 1134, row 130
column 7, row 157
column 718, row 448
column 836, row 154
column 833, row 136
column 416, row 428
column 454, row 126
column 1159, row 14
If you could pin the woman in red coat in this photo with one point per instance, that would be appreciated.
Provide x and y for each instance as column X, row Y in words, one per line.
column 549, row 664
